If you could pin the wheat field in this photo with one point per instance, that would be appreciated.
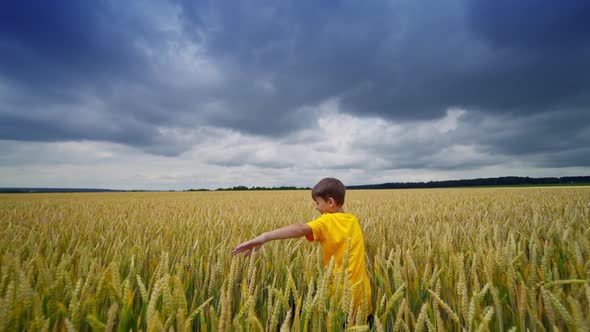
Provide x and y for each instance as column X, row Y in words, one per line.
column 493, row 259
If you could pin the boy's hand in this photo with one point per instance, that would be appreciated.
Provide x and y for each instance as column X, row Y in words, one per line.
column 248, row 246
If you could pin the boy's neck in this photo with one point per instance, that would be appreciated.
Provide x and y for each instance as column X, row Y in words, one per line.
column 338, row 209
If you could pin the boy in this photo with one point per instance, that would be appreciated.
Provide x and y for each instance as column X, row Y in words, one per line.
column 332, row 229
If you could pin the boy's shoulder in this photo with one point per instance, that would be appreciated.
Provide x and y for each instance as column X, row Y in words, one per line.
column 339, row 216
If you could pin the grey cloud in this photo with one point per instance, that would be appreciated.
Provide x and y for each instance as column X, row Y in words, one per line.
column 552, row 135
column 579, row 157
column 106, row 71
column 546, row 140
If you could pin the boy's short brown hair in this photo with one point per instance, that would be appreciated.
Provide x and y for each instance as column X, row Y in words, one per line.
column 329, row 187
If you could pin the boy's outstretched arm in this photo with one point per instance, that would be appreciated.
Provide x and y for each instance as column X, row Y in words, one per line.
column 287, row 232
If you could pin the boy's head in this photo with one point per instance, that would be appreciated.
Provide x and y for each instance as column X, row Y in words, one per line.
column 328, row 194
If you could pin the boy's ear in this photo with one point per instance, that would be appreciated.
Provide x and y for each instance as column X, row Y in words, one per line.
column 331, row 201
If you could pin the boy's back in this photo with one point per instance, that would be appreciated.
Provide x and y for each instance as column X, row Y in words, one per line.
column 333, row 230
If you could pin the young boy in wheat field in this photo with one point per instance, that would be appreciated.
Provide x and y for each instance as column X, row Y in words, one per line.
column 333, row 229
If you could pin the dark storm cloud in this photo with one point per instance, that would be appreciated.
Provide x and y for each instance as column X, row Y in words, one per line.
column 532, row 24
column 309, row 51
column 59, row 57
column 495, row 60
column 407, row 60
column 65, row 43
column 544, row 51
column 98, row 70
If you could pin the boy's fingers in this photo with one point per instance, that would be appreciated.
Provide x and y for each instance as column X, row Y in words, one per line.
column 236, row 250
column 240, row 248
column 246, row 246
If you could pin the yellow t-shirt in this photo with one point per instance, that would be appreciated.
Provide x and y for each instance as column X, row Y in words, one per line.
column 333, row 231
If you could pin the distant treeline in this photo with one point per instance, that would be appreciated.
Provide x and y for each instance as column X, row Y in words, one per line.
column 483, row 182
column 244, row 188
column 54, row 190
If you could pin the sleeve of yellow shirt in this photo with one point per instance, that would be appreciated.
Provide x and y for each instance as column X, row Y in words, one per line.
column 318, row 228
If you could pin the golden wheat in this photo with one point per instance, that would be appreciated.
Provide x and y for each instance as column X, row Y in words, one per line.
column 501, row 259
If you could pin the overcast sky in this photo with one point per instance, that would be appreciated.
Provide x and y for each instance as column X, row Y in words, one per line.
column 208, row 94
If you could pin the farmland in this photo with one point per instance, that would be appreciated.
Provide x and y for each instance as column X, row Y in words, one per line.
column 498, row 259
